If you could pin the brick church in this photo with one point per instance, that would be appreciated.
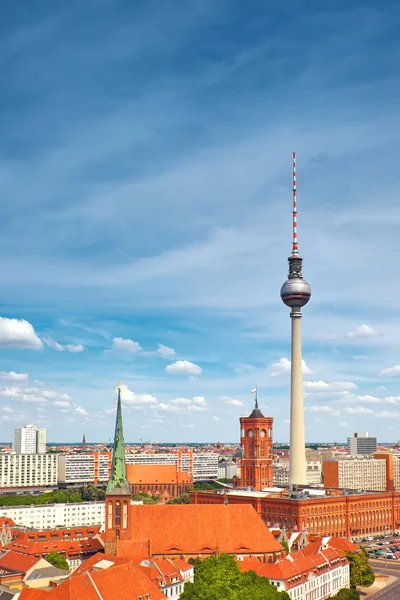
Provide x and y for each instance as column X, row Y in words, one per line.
column 182, row 531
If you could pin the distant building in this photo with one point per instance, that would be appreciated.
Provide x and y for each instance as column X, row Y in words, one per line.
column 28, row 470
column 28, row 439
column 361, row 443
column 281, row 473
column 228, row 470
column 49, row 516
column 202, row 466
column 88, row 467
column 158, row 480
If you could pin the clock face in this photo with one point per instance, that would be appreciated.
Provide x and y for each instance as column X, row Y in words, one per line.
column 251, row 433
column 262, row 433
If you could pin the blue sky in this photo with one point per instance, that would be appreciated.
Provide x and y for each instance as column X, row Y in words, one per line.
column 145, row 173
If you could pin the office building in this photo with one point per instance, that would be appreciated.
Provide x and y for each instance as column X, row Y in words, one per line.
column 29, row 439
column 202, row 466
column 356, row 473
column 361, row 443
column 85, row 467
column 28, row 470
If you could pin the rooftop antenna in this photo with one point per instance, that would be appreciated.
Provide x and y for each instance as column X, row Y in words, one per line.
column 295, row 248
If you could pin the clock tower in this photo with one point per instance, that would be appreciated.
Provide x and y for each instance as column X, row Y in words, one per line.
column 256, row 441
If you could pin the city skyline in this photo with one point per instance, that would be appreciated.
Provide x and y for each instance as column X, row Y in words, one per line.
column 146, row 226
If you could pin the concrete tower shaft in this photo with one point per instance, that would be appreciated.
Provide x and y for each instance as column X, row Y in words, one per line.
column 295, row 293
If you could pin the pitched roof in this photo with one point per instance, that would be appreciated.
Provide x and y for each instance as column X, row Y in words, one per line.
column 67, row 547
column 115, row 583
column 343, row 544
column 197, row 529
column 16, row 562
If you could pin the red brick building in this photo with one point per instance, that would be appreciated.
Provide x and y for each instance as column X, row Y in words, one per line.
column 165, row 481
column 336, row 513
column 256, row 440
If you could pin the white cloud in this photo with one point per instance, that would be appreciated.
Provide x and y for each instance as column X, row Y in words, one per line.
column 329, row 386
column 133, row 399
column 386, row 414
column 231, row 401
column 12, row 376
column 360, row 357
column 74, row 348
column 165, row 351
column 187, row 425
column 196, row 408
column 181, row 401
column 282, row 367
column 10, row 392
column 184, row 367
column 81, row 411
column 319, row 409
column 343, row 424
column 199, row 400
column 127, row 345
column 362, row 331
column 216, row 418
column 53, row 344
column 376, row 400
column 61, row 403
column 392, row 371
column 359, row 410
column 168, row 407
column 49, row 394
column 7, row 409
column 18, row 333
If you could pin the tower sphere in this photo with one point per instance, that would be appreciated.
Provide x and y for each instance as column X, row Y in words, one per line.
column 295, row 292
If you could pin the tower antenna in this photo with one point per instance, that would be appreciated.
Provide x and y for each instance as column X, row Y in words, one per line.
column 295, row 248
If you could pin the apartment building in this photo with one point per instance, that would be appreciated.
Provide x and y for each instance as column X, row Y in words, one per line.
column 50, row 516
column 85, row 467
column 28, row 470
column 228, row 470
column 356, row 473
column 281, row 473
column 202, row 466
column 29, row 439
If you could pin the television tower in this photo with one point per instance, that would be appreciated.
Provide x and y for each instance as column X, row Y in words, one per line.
column 295, row 293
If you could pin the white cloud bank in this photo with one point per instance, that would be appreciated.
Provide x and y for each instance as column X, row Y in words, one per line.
column 127, row 345
column 184, row 367
column 18, row 333
column 282, row 367
column 361, row 332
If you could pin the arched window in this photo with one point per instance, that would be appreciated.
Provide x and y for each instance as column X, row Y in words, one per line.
column 117, row 513
column 125, row 515
column 109, row 515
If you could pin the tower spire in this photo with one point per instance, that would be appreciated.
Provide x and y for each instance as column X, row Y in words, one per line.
column 295, row 293
column 295, row 246
column 118, row 483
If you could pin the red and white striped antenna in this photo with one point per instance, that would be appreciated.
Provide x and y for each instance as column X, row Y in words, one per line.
column 295, row 248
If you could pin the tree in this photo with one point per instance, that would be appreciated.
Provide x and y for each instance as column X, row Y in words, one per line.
column 345, row 594
column 360, row 570
column 144, row 497
column 220, row 578
column 182, row 499
column 57, row 560
column 285, row 546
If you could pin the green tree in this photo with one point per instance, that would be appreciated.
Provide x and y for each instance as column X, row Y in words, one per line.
column 345, row 594
column 220, row 578
column 285, row 546
column 182, row 499
column 360, row 570
column 144, row 497
column 57, row 560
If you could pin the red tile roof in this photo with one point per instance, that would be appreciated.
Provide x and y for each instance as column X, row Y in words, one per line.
column 120, row 582
column 156, row 475
column 64, row 546
column 196, row 529
column 19, row 563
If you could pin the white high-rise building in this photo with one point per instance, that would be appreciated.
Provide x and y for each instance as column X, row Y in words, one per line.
column 361, row 443
column 28, row 439
column 30, row 470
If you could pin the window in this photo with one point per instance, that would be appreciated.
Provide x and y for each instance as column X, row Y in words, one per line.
column 117, row 513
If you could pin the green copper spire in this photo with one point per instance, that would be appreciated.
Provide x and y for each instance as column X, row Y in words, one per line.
column 118, row 483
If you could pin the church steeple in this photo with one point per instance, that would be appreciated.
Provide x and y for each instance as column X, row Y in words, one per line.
column 118, row 484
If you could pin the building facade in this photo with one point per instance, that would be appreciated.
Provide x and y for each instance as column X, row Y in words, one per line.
column 203, row 466
column 332, row 513
column 356, row 473
column 28, row 471
column 29, row 439
column 361, row 443
column 50, row 516
column 281, row 473
column 164, row 481
column 84, row 467
column 256, row 441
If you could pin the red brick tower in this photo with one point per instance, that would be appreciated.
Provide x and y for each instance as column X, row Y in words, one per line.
column 256, row 441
